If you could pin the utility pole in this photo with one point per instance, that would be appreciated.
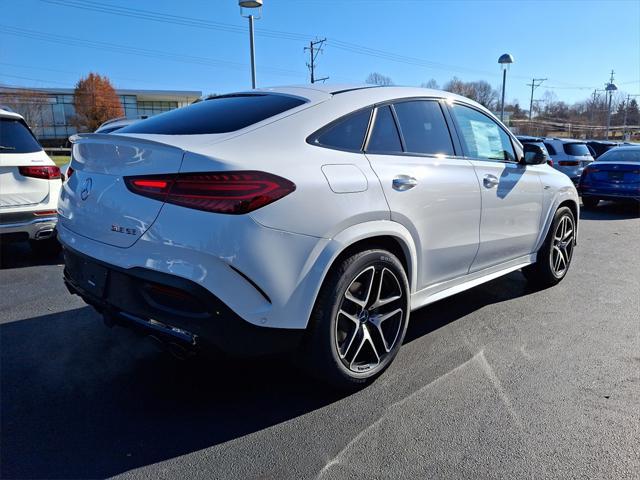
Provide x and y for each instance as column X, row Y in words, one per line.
column 315, row 47
column 610, row 88
column 535, row 83
column 626, row 109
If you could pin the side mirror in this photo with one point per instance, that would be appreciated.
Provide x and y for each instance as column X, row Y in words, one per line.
column 534, row 155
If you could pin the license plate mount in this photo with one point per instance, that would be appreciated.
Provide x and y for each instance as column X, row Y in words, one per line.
column 88, row 275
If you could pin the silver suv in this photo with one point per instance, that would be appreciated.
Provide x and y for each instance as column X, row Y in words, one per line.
column 569, row 156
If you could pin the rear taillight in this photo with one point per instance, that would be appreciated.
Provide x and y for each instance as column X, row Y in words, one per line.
column 45, row 213
column 70, row 171
column 221, row 192
column 568, row 163
column 46, row 172
column 550, row 162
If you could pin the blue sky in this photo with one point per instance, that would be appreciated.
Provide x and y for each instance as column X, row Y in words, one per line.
column 575, row 44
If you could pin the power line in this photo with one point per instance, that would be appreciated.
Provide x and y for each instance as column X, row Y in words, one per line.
column 277, row 34
column 143, row 52
column 89, row 5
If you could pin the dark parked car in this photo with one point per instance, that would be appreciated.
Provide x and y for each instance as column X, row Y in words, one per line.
column 614, row 176
column 598, row 147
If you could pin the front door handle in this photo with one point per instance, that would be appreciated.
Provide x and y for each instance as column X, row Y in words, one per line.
column 402, row 183
column 490, row 181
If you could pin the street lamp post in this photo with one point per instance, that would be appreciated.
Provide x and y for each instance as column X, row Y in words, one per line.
column 505, row 60
column 251, row 4
column 610, row 88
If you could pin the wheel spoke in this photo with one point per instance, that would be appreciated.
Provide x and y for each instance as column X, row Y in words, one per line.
column 377, row 322
column 362, row 302
column 350, row 343
column 381, row 301
column 353, row 318
column 568, row 234
column 366, row 338
column 557, row 259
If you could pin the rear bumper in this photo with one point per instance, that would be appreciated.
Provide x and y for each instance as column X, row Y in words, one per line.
column 170, row 307
column 610, row 193
column 26, row 225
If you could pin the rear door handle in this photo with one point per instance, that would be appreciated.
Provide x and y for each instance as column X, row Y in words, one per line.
column 402, row 183
column 490, row 181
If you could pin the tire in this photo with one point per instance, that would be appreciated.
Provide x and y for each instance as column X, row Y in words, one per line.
column 46, row 248
column 549, row 270
column 590, row 202
column 349, row 343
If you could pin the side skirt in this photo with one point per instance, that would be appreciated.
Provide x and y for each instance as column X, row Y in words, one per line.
column 446, row 289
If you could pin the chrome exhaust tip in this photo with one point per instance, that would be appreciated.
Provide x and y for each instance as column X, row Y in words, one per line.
column 44, row 234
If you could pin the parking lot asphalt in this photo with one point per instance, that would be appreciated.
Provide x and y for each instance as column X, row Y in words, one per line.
column 497, row 382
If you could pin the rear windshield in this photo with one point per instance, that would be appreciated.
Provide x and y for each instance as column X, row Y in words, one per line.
column 217, row 115
column 576, row 149
column 15, row 137
column 621, row 155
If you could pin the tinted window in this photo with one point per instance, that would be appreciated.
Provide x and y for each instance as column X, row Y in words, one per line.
column 576, row 149
column 15, row 137
column 482, row 136
column 346, row 134
column 616, row 155
column 550, row 149
column 384, row 135
column 423, row 128
column 217, row 115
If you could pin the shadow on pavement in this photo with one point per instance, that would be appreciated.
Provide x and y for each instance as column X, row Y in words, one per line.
column 18, row 255
column 611, row 211
column 83, row 401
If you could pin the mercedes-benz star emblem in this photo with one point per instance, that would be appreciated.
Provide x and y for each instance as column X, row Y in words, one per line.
column 86, row 189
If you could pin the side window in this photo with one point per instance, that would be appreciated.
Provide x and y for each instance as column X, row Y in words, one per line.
column 550, row 149
column 482, row 136
column 384, row 136
column 424, row 128
column 346, row 134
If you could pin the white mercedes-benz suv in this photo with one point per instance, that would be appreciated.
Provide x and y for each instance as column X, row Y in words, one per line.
column 313, row 218
column 29, row 187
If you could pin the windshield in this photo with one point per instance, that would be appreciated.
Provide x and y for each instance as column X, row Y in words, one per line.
column 15, row 137
column 621, row 155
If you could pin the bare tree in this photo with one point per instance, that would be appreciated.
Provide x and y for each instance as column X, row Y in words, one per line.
column 376, row 78
column 30, row 104
column 430, row 84
column 480, row 91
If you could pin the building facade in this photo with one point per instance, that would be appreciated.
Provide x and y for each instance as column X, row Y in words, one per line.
column 49, row 111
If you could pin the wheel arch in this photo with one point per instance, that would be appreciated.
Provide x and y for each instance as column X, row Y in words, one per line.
column 573, row 206
column 567, row 197
column 384, row 234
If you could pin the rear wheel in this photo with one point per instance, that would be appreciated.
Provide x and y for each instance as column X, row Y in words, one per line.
column 46, row 248
column 359, row 320
column 590, row 202
column 554, row 257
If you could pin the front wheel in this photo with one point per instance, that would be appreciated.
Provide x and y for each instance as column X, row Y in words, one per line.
column 554, row 257
column 359, row 320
